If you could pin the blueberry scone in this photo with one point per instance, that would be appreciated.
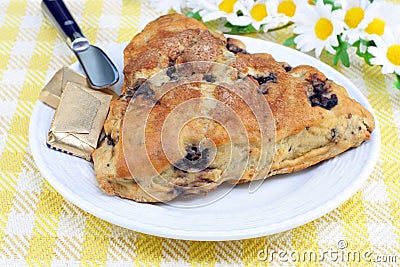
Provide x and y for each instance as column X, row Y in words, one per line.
column 313, row 118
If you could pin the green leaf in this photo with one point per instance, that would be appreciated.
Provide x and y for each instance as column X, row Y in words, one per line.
column 332, row 3
column 290, row 41
column 396, row 83
column 341, row 53
column 241, row 29
column 329, row 2
column 195, row 15
column 365, row 55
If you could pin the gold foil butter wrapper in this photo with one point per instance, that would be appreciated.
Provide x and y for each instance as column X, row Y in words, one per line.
column 52, row 91
column 78, row 120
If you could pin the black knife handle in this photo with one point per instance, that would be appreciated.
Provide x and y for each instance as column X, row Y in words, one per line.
column 59, row 15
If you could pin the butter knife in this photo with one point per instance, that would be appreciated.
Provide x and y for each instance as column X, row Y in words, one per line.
column 99, row 68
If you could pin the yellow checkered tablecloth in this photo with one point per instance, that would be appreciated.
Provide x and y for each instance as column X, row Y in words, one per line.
column 39, row 228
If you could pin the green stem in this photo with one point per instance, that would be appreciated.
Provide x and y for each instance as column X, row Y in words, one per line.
column 396, row 83
column 280, row 27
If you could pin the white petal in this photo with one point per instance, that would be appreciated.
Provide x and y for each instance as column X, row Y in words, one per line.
column 280, row 21
column 213, row 15
column 324, row 11
column 337, row 15
column 305, row 15
column 305, row 43
column 241, row 6
column 320, row 4
column 303, row 49
column 301, row 28
column 387, row 68
column 397, row 70
column 301, row 40
column 374, row 51
column 239, row 20
column 177, row 5
column 379, row 61
column 397, row 35
column 318, row 51
column 329, row 48
column 272, row 8
column 257, row 25
column 310, row 46
column 351, row 35
column 207, row 5
column 334, row 40
column 380, row 43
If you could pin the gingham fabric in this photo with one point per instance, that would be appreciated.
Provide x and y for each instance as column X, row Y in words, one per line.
column 39, row 228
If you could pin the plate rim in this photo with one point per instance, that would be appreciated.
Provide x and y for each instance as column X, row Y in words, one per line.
column 186, row 234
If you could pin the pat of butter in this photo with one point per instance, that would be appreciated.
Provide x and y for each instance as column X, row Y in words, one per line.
column 78, row 120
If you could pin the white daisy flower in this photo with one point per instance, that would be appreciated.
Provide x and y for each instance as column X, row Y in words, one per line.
column 216, row 9
column 354, row 11
column 317, row 27
column 286, row 10
column 261, row 12
column 387, row 52
column 164, row 6
column 378, row 17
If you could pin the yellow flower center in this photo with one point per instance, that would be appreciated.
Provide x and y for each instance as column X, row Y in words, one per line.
column 393, row 54
column 323, row 28
column 354, row 16
column 311, row 2
column 376, row 26
column 287, row 7
column 227, row 5
column 259, row 12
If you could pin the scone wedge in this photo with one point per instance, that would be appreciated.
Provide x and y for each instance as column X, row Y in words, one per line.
column 314, row 119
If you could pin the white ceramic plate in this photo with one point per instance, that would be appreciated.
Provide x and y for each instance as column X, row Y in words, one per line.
column 281, row 203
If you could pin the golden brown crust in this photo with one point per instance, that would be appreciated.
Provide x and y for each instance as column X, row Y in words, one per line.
column 315, row 119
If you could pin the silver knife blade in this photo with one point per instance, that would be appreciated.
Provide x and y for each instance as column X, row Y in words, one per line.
column 101, row 72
